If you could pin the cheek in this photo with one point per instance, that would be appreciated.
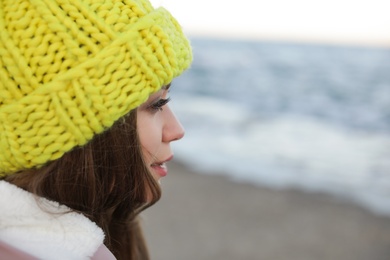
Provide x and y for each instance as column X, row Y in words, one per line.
column 150, row 134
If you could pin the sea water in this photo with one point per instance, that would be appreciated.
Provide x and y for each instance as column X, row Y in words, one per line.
column 288, row 115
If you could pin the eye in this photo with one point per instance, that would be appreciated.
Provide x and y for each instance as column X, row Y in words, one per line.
column 158, row 105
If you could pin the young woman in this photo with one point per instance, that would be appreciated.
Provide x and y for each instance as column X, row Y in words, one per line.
column 85, row 129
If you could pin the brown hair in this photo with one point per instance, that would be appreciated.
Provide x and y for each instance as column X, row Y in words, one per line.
column 105, row 180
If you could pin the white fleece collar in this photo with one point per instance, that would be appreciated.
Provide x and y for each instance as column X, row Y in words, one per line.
column 45, row 230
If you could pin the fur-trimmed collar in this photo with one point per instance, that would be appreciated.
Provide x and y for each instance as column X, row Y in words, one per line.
column 44, row 228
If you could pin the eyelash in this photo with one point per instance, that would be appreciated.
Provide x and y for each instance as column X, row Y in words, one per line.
column 158, row 105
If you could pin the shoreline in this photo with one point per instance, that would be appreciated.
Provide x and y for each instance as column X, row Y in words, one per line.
column 211, row 217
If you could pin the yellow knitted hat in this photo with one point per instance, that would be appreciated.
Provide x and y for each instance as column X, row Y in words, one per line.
column 70, row 68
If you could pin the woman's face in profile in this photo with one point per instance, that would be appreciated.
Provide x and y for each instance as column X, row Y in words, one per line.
column 157, row 127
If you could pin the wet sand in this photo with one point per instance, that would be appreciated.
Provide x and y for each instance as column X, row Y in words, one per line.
column 210, row 217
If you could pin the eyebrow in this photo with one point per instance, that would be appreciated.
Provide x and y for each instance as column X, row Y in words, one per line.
column 166, row 87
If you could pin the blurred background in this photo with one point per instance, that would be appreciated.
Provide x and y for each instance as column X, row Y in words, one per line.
column 287, row 112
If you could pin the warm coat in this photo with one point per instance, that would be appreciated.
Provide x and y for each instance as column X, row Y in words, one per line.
column 44, row 229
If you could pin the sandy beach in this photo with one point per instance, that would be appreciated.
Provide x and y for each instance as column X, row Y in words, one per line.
column 210, row 217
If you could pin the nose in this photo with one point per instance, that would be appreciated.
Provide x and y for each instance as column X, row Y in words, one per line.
column 173, row 129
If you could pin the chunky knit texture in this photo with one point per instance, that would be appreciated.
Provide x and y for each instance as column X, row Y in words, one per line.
column 70, row 68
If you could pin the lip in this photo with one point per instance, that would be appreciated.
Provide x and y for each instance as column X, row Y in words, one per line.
column 160, row 167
